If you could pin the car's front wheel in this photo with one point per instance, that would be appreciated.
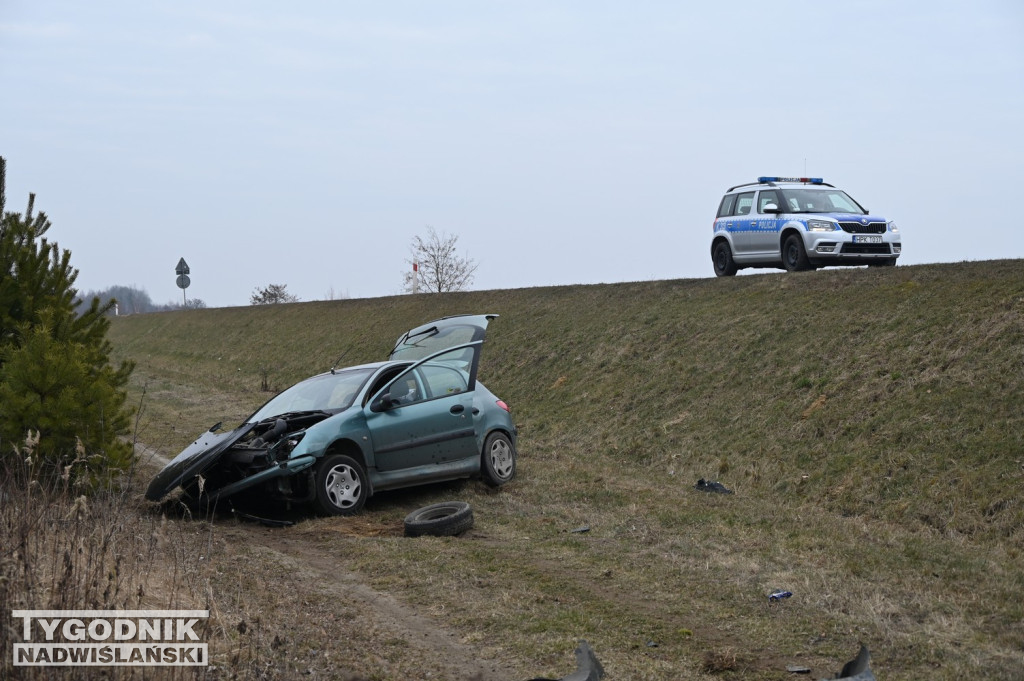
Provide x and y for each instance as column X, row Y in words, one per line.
column 499, row 460
column 794, row 257
column 341, row 487
column 725, row 266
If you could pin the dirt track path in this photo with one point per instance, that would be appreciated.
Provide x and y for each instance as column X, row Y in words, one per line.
column 366, row 624
column 319, row 619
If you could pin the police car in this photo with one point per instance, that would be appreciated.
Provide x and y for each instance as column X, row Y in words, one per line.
column 798, row 223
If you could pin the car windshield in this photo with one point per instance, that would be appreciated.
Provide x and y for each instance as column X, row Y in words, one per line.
column 328, row 392
column 820, row 201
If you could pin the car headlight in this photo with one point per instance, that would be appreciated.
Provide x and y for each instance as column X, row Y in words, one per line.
column 893, row 227
column 286, row 445
column 821, row 226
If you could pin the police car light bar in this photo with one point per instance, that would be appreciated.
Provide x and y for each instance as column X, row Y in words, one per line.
column 806, row 180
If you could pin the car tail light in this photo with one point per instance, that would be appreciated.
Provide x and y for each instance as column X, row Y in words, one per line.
column 501, row 403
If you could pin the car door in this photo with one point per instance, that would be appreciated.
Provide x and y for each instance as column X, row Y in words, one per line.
column 742, row 223
column 425, row 415
column 764, row 230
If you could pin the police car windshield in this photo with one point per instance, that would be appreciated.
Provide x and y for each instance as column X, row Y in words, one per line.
column 820, row 201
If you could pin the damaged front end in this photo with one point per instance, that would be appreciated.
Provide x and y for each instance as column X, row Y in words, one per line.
column 254, row 455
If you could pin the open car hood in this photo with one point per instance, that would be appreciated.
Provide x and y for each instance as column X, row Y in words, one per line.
column 439, row 335
column 194, row 459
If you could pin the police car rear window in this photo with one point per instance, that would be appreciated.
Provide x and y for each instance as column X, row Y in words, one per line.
column 728, row 203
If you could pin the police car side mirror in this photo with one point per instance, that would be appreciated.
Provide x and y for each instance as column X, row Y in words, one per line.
column 771, row 208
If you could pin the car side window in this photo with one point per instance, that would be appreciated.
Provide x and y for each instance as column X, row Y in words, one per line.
column 726, row 207
column 381, row 381
column 744, row 202
column 407, row 389
column 765, row 198
column 443, row 380
column 445, row 374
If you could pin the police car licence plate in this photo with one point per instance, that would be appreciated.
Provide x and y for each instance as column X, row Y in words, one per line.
column 862, row 239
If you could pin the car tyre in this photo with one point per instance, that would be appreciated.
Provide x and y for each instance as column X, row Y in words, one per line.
column 498, row 464
column 794, row 257
column 721, row 256
column 445, row 519
column 341, row 486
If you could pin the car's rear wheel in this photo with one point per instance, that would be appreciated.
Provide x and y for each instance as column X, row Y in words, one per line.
column 794, row 257
column 341, row 487
column 725, row 266
column 499, row 460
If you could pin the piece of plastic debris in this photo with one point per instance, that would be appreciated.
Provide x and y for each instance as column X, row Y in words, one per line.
column 859, row 668
column 580, row 530
column 779, row 595
column 797, row 669
column 712, row 486
column 652, row 644
column 268, row 522
column 587, row 666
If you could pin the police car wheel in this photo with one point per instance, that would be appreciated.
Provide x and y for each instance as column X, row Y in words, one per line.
column 725, row 266
column 794, row 257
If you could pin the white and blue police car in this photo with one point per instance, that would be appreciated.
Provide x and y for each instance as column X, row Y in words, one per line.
column 798, row 223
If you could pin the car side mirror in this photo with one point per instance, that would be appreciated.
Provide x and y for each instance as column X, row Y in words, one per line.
column 382, row 403
column 770, row 208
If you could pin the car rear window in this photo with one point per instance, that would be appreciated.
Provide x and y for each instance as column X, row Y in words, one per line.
column 726, row 207
column 434, row 340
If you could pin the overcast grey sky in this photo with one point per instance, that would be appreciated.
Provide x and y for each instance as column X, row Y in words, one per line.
column 306, row 143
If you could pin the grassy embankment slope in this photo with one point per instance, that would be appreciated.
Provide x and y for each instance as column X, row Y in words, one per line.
column 869, row 421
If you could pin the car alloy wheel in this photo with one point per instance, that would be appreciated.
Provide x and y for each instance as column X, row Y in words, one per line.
column 499, row 460
column 340, row 485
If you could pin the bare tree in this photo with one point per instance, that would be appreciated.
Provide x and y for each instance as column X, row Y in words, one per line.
column 437, row 268
column 273, row 293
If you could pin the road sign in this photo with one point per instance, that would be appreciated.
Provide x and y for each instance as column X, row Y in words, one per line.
column 182, row 268
column 183, row 281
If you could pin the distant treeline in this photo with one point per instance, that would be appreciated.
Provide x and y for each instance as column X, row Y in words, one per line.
column 131, row 300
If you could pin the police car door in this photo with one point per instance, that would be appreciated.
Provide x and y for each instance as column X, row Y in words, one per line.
column 741, row 222
column 764, row 227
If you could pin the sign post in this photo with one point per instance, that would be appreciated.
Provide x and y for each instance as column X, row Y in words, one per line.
column 183, row 281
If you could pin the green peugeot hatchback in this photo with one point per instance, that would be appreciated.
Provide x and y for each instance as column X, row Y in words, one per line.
column 335, row 439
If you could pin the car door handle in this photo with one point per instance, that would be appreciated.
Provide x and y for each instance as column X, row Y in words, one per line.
column 457, row 409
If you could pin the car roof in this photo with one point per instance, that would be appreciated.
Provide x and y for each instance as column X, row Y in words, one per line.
column 783, row 182
column 369, row 365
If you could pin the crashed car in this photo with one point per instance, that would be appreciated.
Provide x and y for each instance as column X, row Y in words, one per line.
column 335, row 439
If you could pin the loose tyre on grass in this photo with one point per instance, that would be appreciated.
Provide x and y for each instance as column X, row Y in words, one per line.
column 445, row 519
